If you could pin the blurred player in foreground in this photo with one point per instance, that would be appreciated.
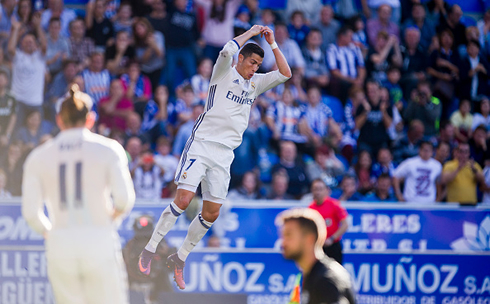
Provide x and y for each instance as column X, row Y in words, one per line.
column 208, row 153
column 324, row 280
column 75, row 175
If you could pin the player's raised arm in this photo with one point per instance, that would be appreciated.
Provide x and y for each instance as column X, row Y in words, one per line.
column 281, row 62
column 32, row 199
column 121, row 184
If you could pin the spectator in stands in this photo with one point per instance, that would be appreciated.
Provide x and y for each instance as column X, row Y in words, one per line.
column 120, row 53
column 452, row 22
column 200, row 81
column 446, row 134
column 370, row 8
column 473, row 73
column 462, row 176
column 29, row 136
column 97, row 79
column 298, row 181
column 24, row 15
column 436, row 10
column 28, row 68
column 424, row 25
column 81, row 47
column 384, row 54
column 486, row 188
column 147, row 178
column 483, row 26
column 392, row 85
column 155, row 115
column 58, row 87
column 7, row 10
column 157, row 15
column 444, row 70
column 316, row 71
column 99, row 27
column 58, row 48
column 363, row 172
column 479, row 146
column 384, row 164
column 373, row 120
column 335, row 217
column 137, row 87
column 443, row 150
column 319, row 118
column 286, row 119
column 309, row 9
column 328, row 26
column 183, row 105
column 180, row 37
column 326, row 166
column 123, row 19
column 248, row 189
column 133, row 148
column 150, row 51
column 185, row 130
column 409, row 146
column 471, row 33
column 8, row 116
column 166, row 160
column 382, row 190
column 279, row 186
column 414, row 61
column 359, row 38
column 462, row 120
column 425, row 107
column 288, row 46
column 115, row 108
column 56, row 8
column 218, row 28
column 420, row 174
column 381, row 23
column 4, row 193
column 11, row 163
column 348, row 190
column 346, row 64
column 297, row 28
column 133, row 128
column 482, row 118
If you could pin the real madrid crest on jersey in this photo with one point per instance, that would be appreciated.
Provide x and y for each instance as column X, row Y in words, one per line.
column 184, row 175
column 253, row 85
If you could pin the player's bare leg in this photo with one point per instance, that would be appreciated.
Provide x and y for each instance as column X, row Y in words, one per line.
column 197, row 229
column 165, row 223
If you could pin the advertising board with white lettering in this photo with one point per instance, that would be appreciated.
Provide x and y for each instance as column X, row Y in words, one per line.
column 376, row 229
column 265, row 277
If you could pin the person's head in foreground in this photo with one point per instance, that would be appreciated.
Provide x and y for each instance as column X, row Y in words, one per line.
column 75, row 111
column 249, row 60
column 303, row 235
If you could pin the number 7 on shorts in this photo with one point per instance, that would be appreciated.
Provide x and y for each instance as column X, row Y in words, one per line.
column 192, row 160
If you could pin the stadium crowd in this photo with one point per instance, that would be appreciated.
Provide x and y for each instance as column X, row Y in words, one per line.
column 377, row 93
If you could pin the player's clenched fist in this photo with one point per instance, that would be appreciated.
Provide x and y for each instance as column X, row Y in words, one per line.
column 256, row 29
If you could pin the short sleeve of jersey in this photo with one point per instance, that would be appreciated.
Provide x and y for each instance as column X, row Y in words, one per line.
column 402, row 170
column 340, row 212
column 269, row 80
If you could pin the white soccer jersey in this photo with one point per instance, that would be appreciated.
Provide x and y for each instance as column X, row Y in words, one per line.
column 75, row 175
column 420, row 179
column 230, row 98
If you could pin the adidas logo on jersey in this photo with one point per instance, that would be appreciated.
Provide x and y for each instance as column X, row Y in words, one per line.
column 236, row 81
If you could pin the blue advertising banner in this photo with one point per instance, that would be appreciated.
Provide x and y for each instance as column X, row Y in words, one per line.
column 375, row 228
column 265, row 277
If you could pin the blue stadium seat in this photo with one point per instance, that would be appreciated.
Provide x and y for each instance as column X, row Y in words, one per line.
column 336, row 106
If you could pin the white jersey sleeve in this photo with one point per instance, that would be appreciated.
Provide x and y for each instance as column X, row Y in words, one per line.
column 120, row 180
column 403, row 170
column 269, row 80
column 33, row 197
column 224, row 61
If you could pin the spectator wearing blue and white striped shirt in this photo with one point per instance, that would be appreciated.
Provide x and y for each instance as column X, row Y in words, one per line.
column 319, row 117
column 97, row 79
column 346, row 64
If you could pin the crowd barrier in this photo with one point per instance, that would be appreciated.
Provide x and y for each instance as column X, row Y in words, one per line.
column 395, row 253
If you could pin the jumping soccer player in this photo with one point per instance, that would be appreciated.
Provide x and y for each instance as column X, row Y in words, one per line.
column 208, row 153
column 324, row 280
column 75, row 175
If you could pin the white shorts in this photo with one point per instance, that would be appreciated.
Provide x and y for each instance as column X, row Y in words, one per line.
column 86, row 267
column 207, row 163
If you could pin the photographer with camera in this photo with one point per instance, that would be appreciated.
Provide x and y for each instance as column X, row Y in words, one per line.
column 425, row 107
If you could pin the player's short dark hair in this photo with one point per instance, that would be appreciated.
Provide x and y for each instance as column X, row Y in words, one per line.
column 308, row 226
column 252, row 48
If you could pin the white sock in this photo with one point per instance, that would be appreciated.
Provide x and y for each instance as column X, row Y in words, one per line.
column 197, row 229
column 165, row 223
